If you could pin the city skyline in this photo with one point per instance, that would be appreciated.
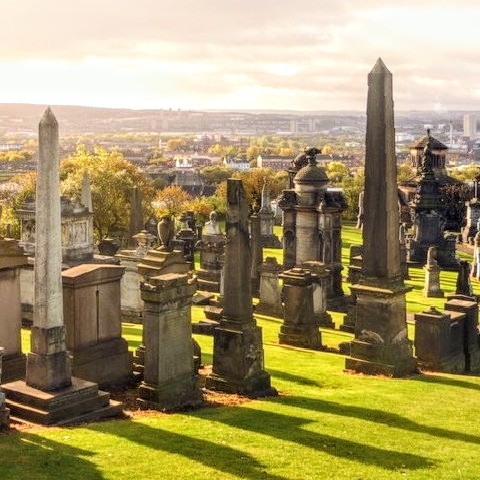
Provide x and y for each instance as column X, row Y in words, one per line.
column 218, row 54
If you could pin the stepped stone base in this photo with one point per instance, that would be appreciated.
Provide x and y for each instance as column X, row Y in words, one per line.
column 4, row 414
column 82, row 401
column 453, row 364
column 394, row 360
column 238, row 361
column 107, row 363
column 13, row 367
column 325, row 320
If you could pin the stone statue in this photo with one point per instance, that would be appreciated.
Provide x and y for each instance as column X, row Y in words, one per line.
column 166, row 232
column 212, row 227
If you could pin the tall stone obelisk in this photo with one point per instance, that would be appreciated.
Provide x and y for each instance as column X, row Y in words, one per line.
column 47, row 364
column 238, row 365
column 50, row 395
column 381, row 345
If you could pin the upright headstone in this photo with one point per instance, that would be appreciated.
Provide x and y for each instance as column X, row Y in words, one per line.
column 381, row 344
column 257, row 252
column 270, row 302
column 432, row 286
column 170, row 380
column 300, row 327
column 267, row 220
column 238, row 364
column 464, row 286
column 50, row 395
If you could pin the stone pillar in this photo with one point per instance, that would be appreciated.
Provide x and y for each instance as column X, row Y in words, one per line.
column 238, row 364
column 170, row 381
column 136, row 216
column 4, row 411
column 11, row 260
column 439, row 340
column 270, row 300
column 381, row 344
column 91, row 306
column 432, row 275
column 471, row 345
column 287, row 203
column 50, row 395
column 300, row 327
column 211, row 249
column 48, row 367
column 257, row 252
column 320, row 281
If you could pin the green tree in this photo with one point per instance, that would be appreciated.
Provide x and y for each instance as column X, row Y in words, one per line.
column 352, row 186
column 405, row 172
column 215, row 174
column 336, row 172
column 112, row 179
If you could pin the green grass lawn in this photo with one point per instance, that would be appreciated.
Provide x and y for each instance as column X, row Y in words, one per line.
column 325, row 424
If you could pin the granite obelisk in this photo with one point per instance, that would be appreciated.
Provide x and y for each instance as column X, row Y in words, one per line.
column 381, row 345
column 47, row 364
column 238, row 365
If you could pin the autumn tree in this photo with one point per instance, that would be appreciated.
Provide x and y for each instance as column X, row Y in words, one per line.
column 215, row 174
column 112, row 179
column 170, row 200
column 336, row 172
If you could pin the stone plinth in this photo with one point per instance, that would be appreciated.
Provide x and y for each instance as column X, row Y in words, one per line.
column 468, row 306
column 81, row 401
column 321, row 278
column 170, row 381
column 11, row 259
column 91, row 300
column 270, row 302
column 381, row 345
column 211, row 248
column 300, row 326
column 439, row 340
column 4, row 411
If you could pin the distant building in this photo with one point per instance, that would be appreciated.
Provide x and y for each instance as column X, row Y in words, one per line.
column 274, row 162
column 470, row 126
column 236, row 163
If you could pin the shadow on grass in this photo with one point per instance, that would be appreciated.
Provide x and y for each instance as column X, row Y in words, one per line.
column 289, row 377
column 451, row 382
column 214, row 455
column 371, row 415
column 289, row 428
column 27, row 455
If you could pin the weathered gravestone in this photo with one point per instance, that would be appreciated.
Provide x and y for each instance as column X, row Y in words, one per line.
column 238, row 364
column 170, row 380
column 432, row 275
column 91, row 308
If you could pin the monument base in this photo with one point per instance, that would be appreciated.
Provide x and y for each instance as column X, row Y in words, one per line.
column 268, row 309
column 13, row 367
column 453, row 364
column 107, row 363
column 82, row 401
column 174, row 395
column 4, row 414
column 306, row 336
column 394, row 360
column 238, row 361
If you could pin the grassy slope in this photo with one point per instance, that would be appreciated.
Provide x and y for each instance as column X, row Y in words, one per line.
column 324, row 425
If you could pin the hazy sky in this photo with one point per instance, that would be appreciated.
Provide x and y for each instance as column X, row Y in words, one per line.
column 255, row 54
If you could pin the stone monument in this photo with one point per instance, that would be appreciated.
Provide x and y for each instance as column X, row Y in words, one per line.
column 267, row 221
column 464, row 286
column 300, row 327
column 49, row 394
column 238, row 363
column 381, row 345
column 432, row 275
column 270, row 302
column 4, row 411
column 170, row 380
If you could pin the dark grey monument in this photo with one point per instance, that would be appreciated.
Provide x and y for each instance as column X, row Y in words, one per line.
column 381, row 345
column 238, row 364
